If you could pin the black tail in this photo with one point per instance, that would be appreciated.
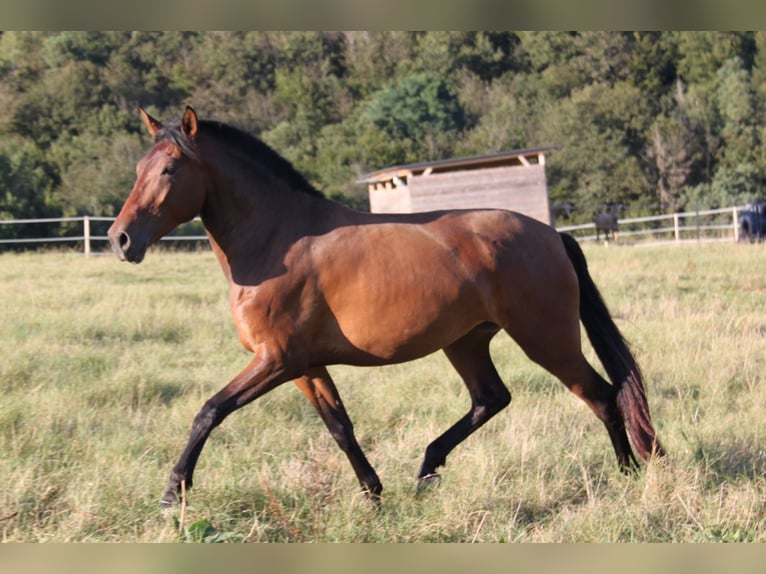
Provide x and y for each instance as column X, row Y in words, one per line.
column 614, row 354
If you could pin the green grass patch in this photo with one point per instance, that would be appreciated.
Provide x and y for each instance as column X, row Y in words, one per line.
column 104, row 366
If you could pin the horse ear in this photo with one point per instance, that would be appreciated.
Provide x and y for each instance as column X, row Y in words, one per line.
column 189, row 122
column 151, row 124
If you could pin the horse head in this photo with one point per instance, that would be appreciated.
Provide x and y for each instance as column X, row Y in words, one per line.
column 169, row 188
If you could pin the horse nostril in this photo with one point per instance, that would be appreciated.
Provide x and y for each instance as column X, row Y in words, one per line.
column 124, row 240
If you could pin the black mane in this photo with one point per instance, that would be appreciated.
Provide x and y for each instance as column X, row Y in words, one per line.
column 246, row 143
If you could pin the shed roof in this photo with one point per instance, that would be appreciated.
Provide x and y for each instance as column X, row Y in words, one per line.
column 457, row 163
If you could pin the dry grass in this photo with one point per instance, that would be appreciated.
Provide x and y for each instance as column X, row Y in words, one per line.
column 104, row 366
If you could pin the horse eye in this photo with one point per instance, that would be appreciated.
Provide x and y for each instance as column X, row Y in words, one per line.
column 168, row 170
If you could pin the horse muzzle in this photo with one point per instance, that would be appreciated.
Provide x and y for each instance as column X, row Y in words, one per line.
column 125, row 247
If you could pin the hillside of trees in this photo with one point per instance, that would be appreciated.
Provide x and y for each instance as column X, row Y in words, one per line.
column 655, row 121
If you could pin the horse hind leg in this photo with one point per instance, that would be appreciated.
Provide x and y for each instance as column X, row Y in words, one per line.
column 320, row 390
column 553, row 341
column 470, row 357
column 580, row 378
column 601, row 397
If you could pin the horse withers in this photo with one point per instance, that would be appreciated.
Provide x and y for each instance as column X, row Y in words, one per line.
column 313, row 283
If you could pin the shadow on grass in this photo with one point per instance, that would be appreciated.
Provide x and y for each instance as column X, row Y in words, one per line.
column 731, row 458
column 138, row 396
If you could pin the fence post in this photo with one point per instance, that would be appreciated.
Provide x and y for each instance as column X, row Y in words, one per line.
column 735, row 219
column 698, row 221
column 676, row 227
column 86, row 234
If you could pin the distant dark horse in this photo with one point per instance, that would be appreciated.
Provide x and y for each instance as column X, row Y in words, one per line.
column 608, row 222
column 313, row 283
column 562, row 210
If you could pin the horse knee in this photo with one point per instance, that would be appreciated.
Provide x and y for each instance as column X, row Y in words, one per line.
column 207, row 418
column 489, row 404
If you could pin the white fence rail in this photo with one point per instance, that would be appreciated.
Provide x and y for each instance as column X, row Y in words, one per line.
column 705, row 225
column 87, row 238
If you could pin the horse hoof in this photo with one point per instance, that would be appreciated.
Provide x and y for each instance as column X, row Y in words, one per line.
column 428, row 482
column 168, row 504
column 374, row 502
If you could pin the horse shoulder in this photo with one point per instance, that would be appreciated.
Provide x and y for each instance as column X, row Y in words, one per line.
column 272, row 306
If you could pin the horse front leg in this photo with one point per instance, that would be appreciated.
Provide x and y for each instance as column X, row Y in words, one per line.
column 262, row 375
column 320, row 390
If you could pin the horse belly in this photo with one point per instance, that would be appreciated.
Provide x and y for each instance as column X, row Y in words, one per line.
column 415, row 333
column 413, row 308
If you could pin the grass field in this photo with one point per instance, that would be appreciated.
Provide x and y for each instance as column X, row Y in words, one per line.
column 103, row 366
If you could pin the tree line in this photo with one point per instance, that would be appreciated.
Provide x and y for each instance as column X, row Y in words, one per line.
column 655, row 121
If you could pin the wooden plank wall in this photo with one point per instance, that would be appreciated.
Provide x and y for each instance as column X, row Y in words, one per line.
column 385, row 198
column 518, row 188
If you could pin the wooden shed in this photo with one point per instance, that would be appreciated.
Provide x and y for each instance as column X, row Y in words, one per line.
column 510, row 180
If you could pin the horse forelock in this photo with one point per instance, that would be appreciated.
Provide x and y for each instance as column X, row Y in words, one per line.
column 175, row 135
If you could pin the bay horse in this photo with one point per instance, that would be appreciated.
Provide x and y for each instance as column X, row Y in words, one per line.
column 313, row 283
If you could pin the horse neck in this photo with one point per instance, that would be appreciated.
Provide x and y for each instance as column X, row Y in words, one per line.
column 251, row 220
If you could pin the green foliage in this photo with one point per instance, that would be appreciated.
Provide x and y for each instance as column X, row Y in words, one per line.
column 582, row 170
column 737, row 105
column 735, row 185
column 644, row 118
column 202, row 531
column 105, row 163
column 652, row 66
column 412, row 107
column 420, row 109
column 27, row 188
column 701, row 54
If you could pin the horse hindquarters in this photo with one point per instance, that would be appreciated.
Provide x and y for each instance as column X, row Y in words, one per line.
column 542, row 307
column 543, row 319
